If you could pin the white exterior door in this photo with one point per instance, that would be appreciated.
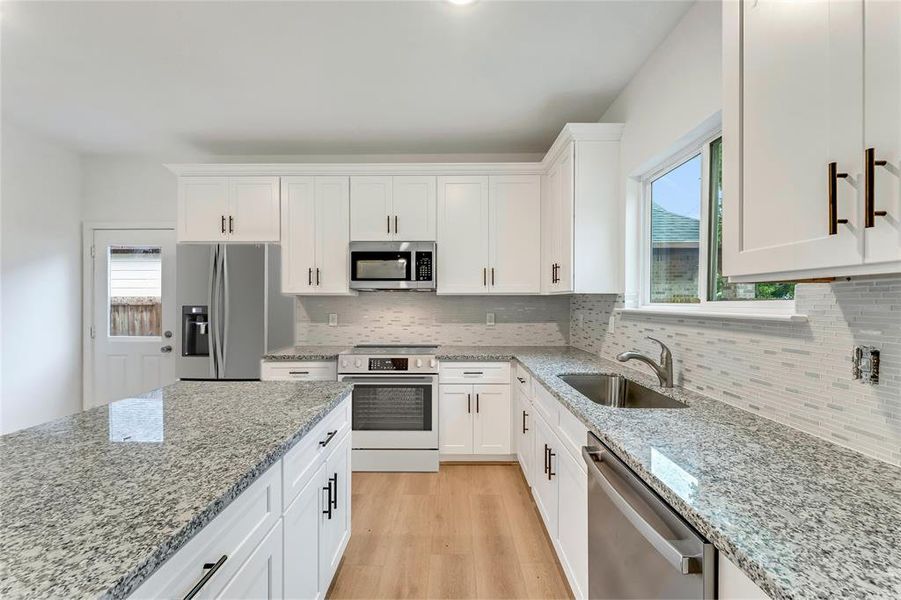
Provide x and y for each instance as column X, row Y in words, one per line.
column 462, row 235
column 202, row 209
column 455, row 419
column 134, row 313
column 515, row 234
column 882, row 97
column 253, row 209
column 796, row 91
column 332, row 235
column 491, row 425
column 298, row 247
column 370, row 208
column 414, row 208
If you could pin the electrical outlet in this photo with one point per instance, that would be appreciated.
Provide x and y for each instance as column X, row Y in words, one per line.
column 333, row 319
column 489, row 319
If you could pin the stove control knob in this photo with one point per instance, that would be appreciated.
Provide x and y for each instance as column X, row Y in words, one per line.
column 433, row 363
column 358, row 363
column 344, row 363
column 418, row 363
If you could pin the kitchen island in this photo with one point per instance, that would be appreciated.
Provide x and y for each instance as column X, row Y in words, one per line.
column 94, row 503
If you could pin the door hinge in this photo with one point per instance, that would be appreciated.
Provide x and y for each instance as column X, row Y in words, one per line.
column 92, row 332
column 93, row 250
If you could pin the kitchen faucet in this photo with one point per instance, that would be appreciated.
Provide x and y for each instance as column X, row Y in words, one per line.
column 664, row 370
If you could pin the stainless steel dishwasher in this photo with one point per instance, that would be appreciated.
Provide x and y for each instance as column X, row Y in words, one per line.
column 638, row 547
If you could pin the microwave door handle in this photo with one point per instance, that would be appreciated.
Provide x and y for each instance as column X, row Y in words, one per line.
column 685, row 564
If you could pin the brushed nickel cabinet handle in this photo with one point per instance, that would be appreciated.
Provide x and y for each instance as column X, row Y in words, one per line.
column 834, row 176
column 869, row 185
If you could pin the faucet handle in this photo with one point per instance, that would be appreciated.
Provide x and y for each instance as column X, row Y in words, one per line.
column 664, row 350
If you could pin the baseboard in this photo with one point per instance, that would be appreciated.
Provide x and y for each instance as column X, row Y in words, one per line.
column 449, row 459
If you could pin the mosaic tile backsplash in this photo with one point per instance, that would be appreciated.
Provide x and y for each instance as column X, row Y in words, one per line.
column 424, row 318
column 798, row 374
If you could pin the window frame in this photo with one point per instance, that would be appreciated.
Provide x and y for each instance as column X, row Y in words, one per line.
column 698, row 146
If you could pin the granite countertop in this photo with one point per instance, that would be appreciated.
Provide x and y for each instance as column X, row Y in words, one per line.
column 802, row 517
column 92, row 504
column 306, row 353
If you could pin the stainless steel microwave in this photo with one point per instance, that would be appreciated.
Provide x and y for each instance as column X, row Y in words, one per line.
column 392, row 266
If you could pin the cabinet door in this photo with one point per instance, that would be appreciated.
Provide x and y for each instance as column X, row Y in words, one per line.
column 491, row 423
column 455, row 405
column 550, row 188
column 298, row 235
column 261, row 575
column 792, row 105
column 572, row 524
column 335, row 523
column 563, row 223
column 523, row 427
column 332, row 235
column 882, row 97
column 253, row 209
column 370, row 209
column 462, row 235
column 202, row 209
column 544, row 480
column 413, row 209
column 515, row 234
column 302, row 539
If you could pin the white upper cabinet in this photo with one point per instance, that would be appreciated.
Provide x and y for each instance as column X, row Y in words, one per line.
column 463, row 235
column 882, row 130
column 315, row 225
column 514, row 223
column 387, row 208
column 489, row 232
column 228, row 209
column 580, row 215
column 801, row 80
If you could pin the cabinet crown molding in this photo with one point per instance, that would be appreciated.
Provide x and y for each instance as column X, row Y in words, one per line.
column 571, row 132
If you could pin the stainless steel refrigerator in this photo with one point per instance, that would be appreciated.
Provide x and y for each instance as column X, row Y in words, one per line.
column 229, row 301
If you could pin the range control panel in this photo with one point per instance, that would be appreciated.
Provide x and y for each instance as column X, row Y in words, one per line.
column 389, row 364
column 351, row 363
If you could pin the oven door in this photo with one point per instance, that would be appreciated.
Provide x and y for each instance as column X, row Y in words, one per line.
column 394, row 412
column 381, row 269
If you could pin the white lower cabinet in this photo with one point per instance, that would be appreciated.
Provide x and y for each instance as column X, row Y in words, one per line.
column 474, row 419
column 572, row 521
column 523, row 426
column 733, row 584
column 253, row 549
column 545, row 473
column 261, row 576
column 312, row 370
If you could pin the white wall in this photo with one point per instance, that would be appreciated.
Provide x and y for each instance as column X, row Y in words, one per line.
column 128, row 190
column 675, row 95
column 40, row 266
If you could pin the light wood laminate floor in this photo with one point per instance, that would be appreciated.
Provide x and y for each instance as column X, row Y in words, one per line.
column 468, row 531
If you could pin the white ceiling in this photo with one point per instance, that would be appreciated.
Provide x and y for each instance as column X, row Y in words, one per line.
column 244, row 78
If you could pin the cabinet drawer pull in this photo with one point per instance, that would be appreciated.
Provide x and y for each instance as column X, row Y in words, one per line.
column 210, row 569
column 550, row 464
column 298, row 372
column 328, row 503
column 524, row 415
column 328, row 438
column 473, row 372
column 834, row 176
column 546, row 450
column 520, row 379
column 869, row 184
column 334, row 479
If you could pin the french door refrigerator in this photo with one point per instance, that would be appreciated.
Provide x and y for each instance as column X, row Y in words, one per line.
column 228, row 295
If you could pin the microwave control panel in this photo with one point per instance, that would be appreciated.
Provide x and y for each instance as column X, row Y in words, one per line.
column 423, row 266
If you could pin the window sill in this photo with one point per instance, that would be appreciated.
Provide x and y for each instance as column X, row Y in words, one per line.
column 706, row 313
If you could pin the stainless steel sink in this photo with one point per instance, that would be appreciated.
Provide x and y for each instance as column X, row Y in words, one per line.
column 619, row 392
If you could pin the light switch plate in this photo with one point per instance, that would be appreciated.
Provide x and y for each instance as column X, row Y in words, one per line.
column 489, row 319
column 333, row 319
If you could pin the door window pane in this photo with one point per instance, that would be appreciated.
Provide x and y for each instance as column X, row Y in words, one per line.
column 135, row 291
column 718, row 286
column 675, row 233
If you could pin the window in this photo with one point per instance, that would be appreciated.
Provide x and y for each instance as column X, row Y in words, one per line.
column 135, row 291
column 683, row 245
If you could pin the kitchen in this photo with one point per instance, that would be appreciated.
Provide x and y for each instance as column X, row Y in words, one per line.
column 631, row 341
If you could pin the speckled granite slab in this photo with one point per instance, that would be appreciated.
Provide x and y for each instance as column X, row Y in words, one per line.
column 92, row 504
column 306, row 353
column 803, row 518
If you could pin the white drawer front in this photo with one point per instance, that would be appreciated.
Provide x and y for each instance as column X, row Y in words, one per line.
column 301, row 461
column 522, row 380
column 572, row 433
column 234, row 533
column 546, row 404
column 299, row 371
column 474, row 373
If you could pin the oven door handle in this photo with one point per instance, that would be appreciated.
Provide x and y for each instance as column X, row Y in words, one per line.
column 387, row 379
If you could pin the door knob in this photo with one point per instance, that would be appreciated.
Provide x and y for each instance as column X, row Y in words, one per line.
column 166, row 349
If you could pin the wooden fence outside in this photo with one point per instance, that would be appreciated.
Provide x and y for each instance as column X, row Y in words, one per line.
column 135, row 316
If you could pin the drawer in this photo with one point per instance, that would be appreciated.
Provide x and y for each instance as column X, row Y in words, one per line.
column 272, row 370
column 522, row 380
column 546, row 404
column 475, row 373
column 573, row 434
column 233, row 534
column 301, row 462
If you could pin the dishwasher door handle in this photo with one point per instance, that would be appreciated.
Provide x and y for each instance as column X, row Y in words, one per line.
column 683, row 563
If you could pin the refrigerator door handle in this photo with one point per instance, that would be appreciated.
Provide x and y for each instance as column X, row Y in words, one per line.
column 225, row 293
column 212, row 316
